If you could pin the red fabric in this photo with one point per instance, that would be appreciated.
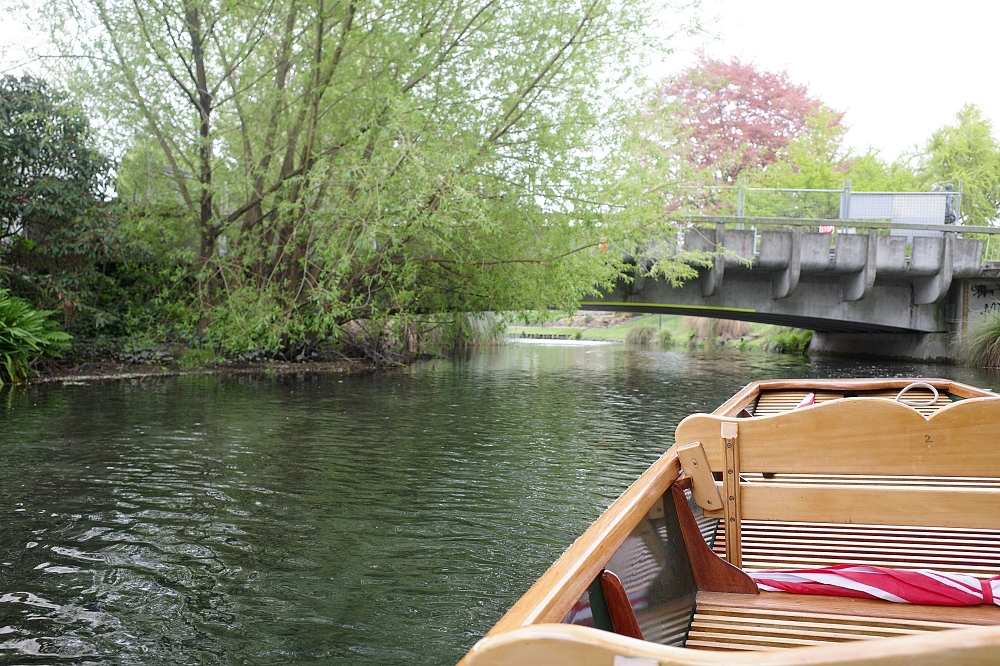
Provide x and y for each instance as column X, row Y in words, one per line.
column 914, row 586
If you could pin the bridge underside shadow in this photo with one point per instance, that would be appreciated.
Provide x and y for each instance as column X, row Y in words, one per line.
column 744, row 314
column 818, row 302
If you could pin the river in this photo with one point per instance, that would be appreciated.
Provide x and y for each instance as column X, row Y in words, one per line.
column 317, row 518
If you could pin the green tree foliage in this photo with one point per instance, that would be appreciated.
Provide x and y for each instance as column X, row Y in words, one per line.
column 969, row 152
column 25, row 334
column 326, row 161
column 870, row 173
column 50, row 173
column 722, row 120
column 815, row 158
column 57, row 233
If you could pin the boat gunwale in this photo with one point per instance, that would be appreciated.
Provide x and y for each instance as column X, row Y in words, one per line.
column 553, row 643
column 537, row 614
column 551, row 597
column 752, row 391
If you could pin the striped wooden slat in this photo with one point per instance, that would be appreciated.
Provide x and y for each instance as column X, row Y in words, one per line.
column 665, row 624
column 776, row 402
column 732, row 627
column 777, row 545
column 875, row 479
column 919, row 395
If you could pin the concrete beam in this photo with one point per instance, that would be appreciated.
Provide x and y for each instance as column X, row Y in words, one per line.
column 711, row 279
column 932, row 289
column 856, row 286
column 784, row 282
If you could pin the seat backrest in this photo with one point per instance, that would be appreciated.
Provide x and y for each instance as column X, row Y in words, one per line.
column 905, row 460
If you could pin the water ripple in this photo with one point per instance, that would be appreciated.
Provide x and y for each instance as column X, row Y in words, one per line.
column 372, row 520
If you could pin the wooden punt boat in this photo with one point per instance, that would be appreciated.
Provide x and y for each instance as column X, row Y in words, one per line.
column 664, row 576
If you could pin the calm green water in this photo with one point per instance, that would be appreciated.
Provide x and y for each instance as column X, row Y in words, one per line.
column 384, row 520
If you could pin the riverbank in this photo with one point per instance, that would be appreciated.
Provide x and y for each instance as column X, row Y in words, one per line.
column 139, row 372
column 669, row 331
column 88, row 362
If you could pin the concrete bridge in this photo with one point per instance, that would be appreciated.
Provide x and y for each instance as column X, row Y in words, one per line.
column 862, row 290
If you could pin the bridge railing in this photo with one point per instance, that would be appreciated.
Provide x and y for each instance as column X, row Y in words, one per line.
column 903, row 208
column 989, row 235
column 991, row 248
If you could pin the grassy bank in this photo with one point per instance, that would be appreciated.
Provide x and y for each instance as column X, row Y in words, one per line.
column 616, row 332
column 982, row 347
column 671, row 331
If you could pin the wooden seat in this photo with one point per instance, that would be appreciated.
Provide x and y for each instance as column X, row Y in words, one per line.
column 847, row 481
column 776, row 402
column 773, row 402
column 774, row 620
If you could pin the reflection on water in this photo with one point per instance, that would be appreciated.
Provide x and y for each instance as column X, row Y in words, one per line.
column 388, row 519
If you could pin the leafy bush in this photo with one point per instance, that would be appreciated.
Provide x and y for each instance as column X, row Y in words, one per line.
column 62, row 246
column 25, row 334
column 714, row 332
column 666, row 340
column 640, row 335
column 791, row 341
column 197, row 358
column 982, row 347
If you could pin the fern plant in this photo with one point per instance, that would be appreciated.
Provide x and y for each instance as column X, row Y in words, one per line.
column 25, row 334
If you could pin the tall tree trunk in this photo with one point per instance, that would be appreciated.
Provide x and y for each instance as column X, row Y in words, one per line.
column 208, row 227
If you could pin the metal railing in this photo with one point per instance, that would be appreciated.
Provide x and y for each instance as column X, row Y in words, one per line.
column 908, row 214
column 917, row 208
column 989, row 235
column 991, row 248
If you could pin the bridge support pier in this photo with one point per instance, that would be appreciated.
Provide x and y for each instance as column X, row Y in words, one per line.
column 908, row 346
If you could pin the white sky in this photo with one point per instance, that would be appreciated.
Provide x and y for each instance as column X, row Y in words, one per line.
column 900, row 69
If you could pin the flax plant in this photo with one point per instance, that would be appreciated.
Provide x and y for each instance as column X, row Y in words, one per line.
column 25, row 334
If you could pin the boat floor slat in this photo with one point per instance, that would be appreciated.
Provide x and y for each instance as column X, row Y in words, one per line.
column 774, row 621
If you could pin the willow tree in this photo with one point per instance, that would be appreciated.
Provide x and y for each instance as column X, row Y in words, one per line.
column 341, row 159
column 969, row 152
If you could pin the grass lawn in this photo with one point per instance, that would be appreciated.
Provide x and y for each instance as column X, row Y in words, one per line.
column 515, row 331
column 669, row 322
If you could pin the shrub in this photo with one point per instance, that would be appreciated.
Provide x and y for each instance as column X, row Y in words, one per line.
column 640, row 335
column 982, row 347
column 25, row 334
column 791, row 341
column 197, row 358
column 714, row 332
column 666, row 340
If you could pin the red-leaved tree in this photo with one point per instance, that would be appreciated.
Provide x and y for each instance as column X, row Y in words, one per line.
column 730, row 116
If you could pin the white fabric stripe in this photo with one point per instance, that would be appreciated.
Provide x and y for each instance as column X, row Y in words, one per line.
column 835, row 580
column 968, row 584
column 768, row 588
column 962, row 582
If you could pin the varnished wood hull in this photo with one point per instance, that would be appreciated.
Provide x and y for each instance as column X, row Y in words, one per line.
column 915, row 486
